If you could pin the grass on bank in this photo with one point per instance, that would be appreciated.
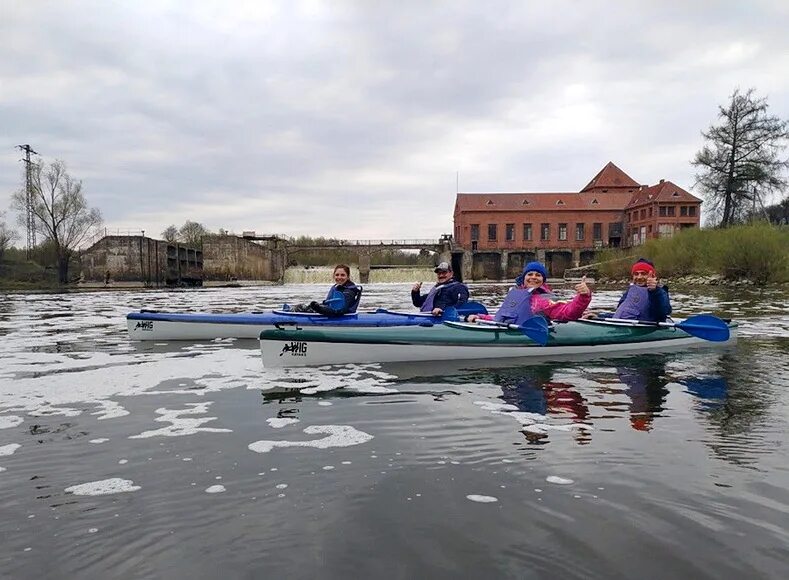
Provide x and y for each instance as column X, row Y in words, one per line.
column 758, row 253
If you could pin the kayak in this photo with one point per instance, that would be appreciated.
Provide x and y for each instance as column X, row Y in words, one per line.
column 281, row 347
column 157, row 325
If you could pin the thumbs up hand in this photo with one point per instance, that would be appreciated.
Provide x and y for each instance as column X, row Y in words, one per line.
column 651, row 281
column 581, row 287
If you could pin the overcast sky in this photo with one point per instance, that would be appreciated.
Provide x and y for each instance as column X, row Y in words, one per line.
column 352, row 118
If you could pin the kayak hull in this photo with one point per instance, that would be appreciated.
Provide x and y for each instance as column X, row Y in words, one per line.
column 153, row 325
column 460, row 341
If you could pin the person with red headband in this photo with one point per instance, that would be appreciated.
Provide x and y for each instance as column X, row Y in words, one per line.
column 644, row 299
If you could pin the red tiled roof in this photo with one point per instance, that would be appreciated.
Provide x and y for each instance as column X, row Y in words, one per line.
column 612, row 200
column 663, row 191
column 611, row 176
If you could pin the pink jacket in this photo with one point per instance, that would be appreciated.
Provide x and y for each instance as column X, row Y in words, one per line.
column 559, row 311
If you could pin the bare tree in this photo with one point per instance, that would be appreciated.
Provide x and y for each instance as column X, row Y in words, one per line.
column 60, row 210
column 7, row 235
column 740, row 164
column 170, row 234
column 191, row 233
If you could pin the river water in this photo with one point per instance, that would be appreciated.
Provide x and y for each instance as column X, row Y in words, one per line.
column 179, row 460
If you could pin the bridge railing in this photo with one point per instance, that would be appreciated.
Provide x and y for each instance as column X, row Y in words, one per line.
column 401, row 242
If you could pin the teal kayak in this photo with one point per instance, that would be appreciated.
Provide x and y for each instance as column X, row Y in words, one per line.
column 460, row 340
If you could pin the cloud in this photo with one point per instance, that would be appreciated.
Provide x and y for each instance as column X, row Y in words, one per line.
column 353, row 119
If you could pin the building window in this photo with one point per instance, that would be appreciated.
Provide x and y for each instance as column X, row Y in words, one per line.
column 643, row 214
column 597, row 231
column 650, row 211
column 692, row 211
column 580, row 232
column 670, row 210
column 665, row 230
column 562, row 232
column 662, row 211
column 595, row 202
column 527, row 232
column 474, row 232
column 492, row 232
column 489, row 202
column 559, row 202
column 683, row 211
column 509, row 232
column 545, row 232
column 525, row 202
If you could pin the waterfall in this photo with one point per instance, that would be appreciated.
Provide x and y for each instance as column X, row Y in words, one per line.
column 323, row 275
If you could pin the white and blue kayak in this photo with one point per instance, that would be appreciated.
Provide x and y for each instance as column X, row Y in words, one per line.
column 292, row 347
column 158, row 325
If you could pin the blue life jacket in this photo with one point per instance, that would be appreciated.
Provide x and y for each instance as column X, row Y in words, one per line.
column 635, row 305
column 353, row 304
column 516, row 307
column 427, row 305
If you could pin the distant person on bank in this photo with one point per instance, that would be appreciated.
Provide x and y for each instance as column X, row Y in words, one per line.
column 644, row 299
column 447, row 292
column 532, row 296
column 343, row 297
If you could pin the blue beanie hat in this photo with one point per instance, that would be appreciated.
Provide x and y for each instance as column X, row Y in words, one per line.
column 532, row 267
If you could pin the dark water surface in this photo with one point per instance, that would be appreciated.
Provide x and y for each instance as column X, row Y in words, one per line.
column 650, row 466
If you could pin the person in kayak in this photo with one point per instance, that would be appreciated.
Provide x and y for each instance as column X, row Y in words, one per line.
column 644, row 299
column 343, row 297
column 447, row 292
column 531, row 296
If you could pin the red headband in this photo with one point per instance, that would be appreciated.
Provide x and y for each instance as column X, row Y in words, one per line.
column 642, row 267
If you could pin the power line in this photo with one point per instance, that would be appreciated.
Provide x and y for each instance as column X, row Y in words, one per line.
column 30, row 222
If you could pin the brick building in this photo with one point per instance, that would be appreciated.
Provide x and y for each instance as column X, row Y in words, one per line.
column 612, row 210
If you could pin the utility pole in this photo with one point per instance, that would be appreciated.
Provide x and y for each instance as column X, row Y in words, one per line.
column 30, row 221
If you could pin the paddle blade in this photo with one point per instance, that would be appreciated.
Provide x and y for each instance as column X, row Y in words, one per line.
column 335, row 303
column 450, row 313
column 706, row 326
column 471, row 307
column 536, row 328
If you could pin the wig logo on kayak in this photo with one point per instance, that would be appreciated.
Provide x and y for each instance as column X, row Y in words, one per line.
column 295, row 349
column 144, row 325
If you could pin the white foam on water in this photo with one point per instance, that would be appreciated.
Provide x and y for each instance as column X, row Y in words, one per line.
column 215, row 489
column 63, row 380
column 103, row 487
column 8, row 421
column 338, row 436
column 558, row 480
column 328, row 467
column 346, row 462
column 324, row 403
column 181, row 426
column 110, row 410
column 99, row 440
column 123, row 462
column 482, row 498
column 279, row 422
column 281, row 485
column 93, row 530
column 186, row 459
column 491, row 406
column 9, row 449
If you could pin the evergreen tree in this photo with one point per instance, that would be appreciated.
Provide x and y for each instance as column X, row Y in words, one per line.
column 740, row 163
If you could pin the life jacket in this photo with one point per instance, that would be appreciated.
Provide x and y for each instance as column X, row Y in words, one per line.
column 635, row 305
column 427, row 306
column 336, row 292
column 516, row 307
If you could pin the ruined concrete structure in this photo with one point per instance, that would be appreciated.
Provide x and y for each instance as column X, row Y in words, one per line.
column 234, row 258
column 142, row 259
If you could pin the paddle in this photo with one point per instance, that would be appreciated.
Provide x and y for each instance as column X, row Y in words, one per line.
column 536, row 328
column 704, row 326
column 471, row 307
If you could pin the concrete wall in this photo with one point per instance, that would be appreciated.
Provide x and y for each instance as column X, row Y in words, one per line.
column 234, row 258
column 141, row 259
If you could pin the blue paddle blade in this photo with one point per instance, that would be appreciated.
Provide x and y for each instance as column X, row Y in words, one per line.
column 706, row 326
column 471, row 307
column 336, row 302
column 450, row 313
column 536, row 328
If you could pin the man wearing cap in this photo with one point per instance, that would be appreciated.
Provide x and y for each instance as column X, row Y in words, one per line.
column 447, row 292
column 644, row 299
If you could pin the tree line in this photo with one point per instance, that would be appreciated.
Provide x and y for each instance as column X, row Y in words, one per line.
column 739, row 168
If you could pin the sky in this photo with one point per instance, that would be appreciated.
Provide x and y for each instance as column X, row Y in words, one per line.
column 362, row 119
